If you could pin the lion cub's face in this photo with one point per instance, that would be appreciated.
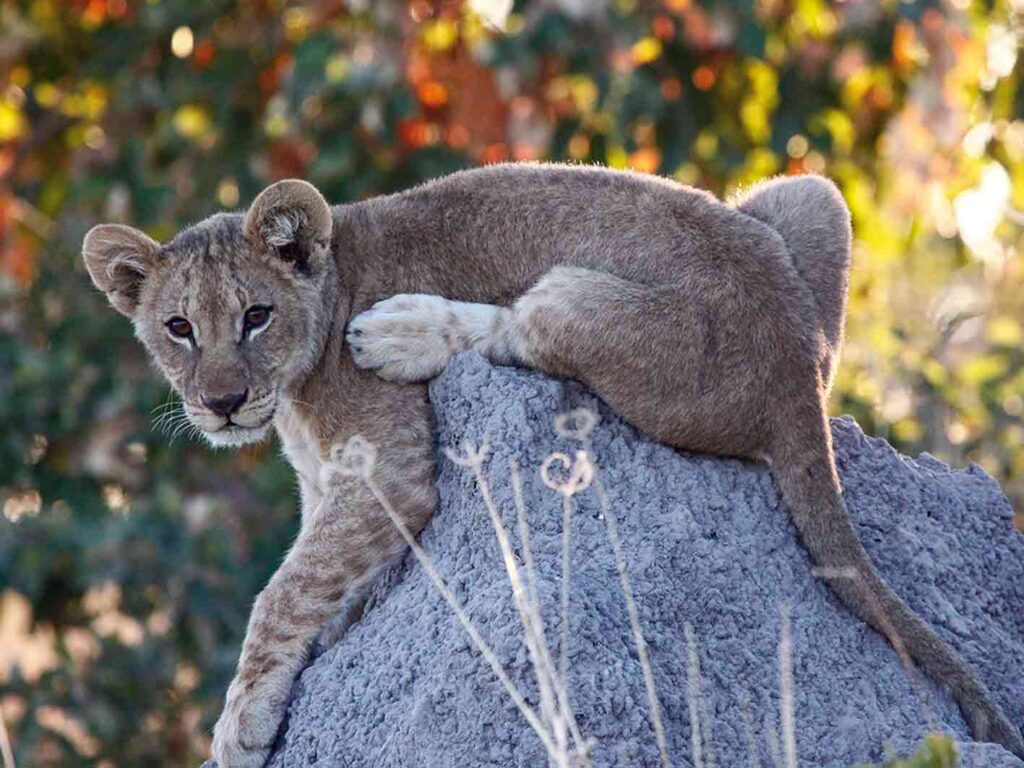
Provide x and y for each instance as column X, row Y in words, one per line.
column 232, row 309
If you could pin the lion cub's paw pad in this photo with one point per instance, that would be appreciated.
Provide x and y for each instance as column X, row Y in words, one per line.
column 409, row 337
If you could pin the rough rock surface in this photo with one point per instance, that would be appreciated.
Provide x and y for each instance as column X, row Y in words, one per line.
column 707, row 542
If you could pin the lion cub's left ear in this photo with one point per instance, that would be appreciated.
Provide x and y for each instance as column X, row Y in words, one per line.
column 118, row 259
column 292, row 218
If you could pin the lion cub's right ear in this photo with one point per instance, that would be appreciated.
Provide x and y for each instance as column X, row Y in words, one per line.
column 292, row 218
column 118, row 259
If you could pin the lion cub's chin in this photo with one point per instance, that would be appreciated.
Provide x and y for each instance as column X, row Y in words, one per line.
column 233, row 435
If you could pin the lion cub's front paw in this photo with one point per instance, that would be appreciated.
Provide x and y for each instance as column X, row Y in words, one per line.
column 411, row 337
column 245, row 731
column 230, row 752
column 237, row 756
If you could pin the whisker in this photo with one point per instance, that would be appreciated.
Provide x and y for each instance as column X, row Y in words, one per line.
column 174, row 425
column 166, row 413
column 169, row 402
column 168, row 420
column 178, row 429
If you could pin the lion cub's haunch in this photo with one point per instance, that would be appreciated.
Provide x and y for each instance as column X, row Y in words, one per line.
column 711, row 326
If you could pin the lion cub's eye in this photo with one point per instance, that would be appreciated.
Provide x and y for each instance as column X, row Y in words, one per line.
column 180, row 327
column 256, row 317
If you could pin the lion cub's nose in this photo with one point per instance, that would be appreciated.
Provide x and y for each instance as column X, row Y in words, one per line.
column 225, row 405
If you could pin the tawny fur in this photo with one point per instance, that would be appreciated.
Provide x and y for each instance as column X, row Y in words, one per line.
column 711, row 326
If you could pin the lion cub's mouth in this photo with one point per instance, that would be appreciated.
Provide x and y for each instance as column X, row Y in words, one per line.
column 236, row 429
column 230, row 424
column 248, row 425
column 233, row 434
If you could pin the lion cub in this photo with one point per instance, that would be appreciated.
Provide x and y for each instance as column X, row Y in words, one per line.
column 710, row 326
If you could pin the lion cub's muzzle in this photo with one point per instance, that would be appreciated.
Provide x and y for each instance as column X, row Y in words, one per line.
column 233, row 417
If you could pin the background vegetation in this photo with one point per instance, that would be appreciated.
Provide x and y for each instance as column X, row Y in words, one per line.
column 127, row 564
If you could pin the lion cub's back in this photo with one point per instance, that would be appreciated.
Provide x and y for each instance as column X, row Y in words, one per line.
column 487, row 234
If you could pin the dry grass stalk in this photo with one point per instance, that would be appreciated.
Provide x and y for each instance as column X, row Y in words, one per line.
column 553, row 698
column 772, row 738
column 692, row 694
column 356, row 460
column 553, row 688
column 563, row 649
column 748, row 727
column 578, row 425
column 788, row 710
column 5, row 743
column 612, row 530
column 702, row 747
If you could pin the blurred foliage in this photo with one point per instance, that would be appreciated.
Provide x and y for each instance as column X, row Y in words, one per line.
column 128, row 561
column 937, row 751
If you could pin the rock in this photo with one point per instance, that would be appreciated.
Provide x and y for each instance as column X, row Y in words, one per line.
column 708, row 543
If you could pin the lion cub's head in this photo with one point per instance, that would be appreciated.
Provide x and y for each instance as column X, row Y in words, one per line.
column 233, row 310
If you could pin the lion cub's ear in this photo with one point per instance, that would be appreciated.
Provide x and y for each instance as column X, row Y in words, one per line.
column 292, row 218
column 118, row 259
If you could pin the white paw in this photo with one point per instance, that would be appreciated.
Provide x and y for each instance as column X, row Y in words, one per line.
column 246, row 729
column 411, row 337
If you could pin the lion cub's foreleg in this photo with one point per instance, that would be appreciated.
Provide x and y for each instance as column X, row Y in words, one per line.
column 345, row 541
column 412, row 336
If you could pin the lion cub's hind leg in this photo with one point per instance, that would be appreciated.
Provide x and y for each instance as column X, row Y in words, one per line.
column 668, row 357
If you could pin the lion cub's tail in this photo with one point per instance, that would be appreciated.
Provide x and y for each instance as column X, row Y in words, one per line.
column 802, row 464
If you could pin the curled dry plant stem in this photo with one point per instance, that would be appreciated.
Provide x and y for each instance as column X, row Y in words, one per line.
column 543, row 665
column 554, row 693
column 529, row 607
column 579, row 474
column 578, row 425
column 528, row 619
